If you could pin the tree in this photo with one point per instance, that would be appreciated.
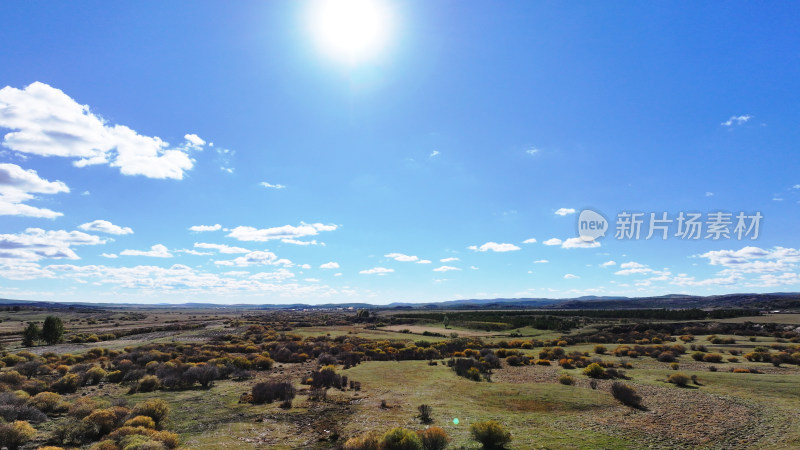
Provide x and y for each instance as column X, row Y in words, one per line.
column 28, row 368
column 31, row 335
column 53, row 330
column 445, row 321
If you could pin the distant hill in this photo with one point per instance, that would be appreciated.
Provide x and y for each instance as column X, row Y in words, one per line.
column 778, row 300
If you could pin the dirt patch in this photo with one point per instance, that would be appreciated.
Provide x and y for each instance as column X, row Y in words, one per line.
column 419, row 329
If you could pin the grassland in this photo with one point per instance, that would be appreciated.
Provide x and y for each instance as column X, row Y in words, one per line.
column 722, row 409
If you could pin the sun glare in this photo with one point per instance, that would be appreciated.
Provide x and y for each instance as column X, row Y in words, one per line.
column 351, row 30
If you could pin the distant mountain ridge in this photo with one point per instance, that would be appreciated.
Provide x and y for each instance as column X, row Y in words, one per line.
column 778, row 300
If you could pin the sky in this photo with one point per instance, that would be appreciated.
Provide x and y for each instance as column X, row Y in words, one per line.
column 381, row 151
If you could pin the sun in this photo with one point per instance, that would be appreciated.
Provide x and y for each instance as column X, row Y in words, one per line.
column 351, row 30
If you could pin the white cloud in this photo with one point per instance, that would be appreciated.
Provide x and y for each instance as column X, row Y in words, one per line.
column 104, row 226
column 156, row 251
column 377, row 271
column 565, row 211
column 579, row 243
column 684, row 280
column 305, row 266
column 608, row 264
column 532, row 151
column 47, row 122
column 529, row 241
column 632, row 265
column 222, row 248
column 24, row 271
column 424, row 261
column 330, row 265
column 450, row 259
column 754, row 259
column 195, row 140
column 35, row 244
column 272, row 186
column 109, row 255
column 194, row 252
column 709, row 194
column 200, row 228
column 495, row 247
column 771, row 280
column 434, row 153
column 570, row 276
column 256, row 258
column 736, row 120
column 552, row 241
column 17, row 186
column 445, row 269
column 285, row 232
column 181, row 278
column 541, row 261
column 280, row 274
column 299, row 242
column 401, row 257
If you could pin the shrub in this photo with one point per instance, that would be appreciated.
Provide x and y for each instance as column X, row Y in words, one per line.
column 11, row 377
column 674, row 366
column 269, row 392
column 666, row 357
column 600, row 349
column 147, row 383
column 626, row 395
column 513, row 360
column 712, row 357
column 698, row 356
column 67, row 384
column 100, row 422
column 16, row 434
column 12, row 360
column 82, row 407
column 491, row 434
column 400, row 439
column 263, row 363
column 566, row 379
column 95, row 375
column 108, row 444
column 679, row 379
column 425, row 412
column 141, row 421
column 11, row 413
column 594, row 370
column 34, row 386
column 367, row 441
column 433, row 438
column 48, row 402
column 140, row 442
column 204, row 374
column 156, row 409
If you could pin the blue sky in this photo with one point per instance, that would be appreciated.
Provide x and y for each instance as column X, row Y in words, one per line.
column 416, row 172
